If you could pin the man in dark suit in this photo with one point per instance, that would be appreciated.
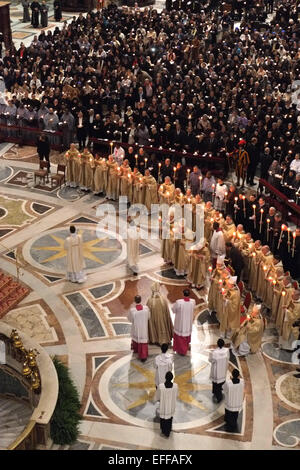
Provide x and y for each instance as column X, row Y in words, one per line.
column 235, row 259
column 43, row 149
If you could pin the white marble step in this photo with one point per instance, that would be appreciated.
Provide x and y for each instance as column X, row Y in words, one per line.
column 14, row 417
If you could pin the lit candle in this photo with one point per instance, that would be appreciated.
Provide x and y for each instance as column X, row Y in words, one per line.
column 111, row 147
column 174, row 169
column 136, row 159
column 282, row 229
column 244, row 206
column 289, row 242
column 235, row 203
column 145, row 159
column 254, row 207
column 268, row 229
column 260, row 222
column 159, row 167
column 294, row 243
column 213, row 188
column 200, row 179
column 168, row 195
column 210, row 269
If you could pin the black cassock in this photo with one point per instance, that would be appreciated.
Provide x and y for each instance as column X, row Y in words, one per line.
column 44, row 15
column 35, row 8
column 57, row 10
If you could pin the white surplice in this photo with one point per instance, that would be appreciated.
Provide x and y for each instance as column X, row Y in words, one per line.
column 217, row 244
column 184, row 316
column 234, row 395
column 167, row 398
column 219, row 359
column 139, row 327
column 75, row 260
column 163, row 364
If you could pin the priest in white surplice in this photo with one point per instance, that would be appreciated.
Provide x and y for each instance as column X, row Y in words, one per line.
column 217, row 244
column 75, row 260
column 133, row 246
column 184, row 316
column 234, row 396
column 219, row 359
column 167, row 393
column 163, row 364
column 139, row 316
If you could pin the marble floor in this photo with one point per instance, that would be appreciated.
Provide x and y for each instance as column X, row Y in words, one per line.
column 87, row 328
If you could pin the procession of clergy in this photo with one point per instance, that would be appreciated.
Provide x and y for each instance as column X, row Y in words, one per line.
column 203, row 265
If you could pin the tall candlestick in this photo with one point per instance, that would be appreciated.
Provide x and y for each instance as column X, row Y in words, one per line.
column 260, row 222
column 200, row 179
column 244, row 206
column 282, row 229
column 187, row 177
column 289, row 242
column 145, row 159
column 268, row 229
column 174, row 170
column 294, row 243
column 235, row 203
column 136, row 159
column 213, row 188
column 254, row 207
column 111, row 147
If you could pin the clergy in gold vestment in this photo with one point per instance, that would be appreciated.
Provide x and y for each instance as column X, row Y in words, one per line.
column 247, row 248
column 167, row 241
column 72, row 166
column 100, row 175
column 275, row 270
column 125, row 180
column 254, row 266
column 166, row 192
column 217, row 277
column 290, row 334
column 182, row 239
column 137, row 187
column 197, row 201
column 150, row 190
column 228, row 228
column 160, row 323
column 263, row 273
column 75, row 260
column 198, row 265
column 209, row 213
column 112, row 191
column 284, row 301
column 133, row 246
column 86, row 173
column 278, row 287
column 230, row 321
column 248, row 337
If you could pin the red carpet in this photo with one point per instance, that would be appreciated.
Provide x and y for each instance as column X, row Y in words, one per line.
column 11, row 293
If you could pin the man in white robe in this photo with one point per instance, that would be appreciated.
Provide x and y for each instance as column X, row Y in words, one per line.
column 133, row 247
column 184, row 316
column 166, row 394
column 219, row 359
column 75, row 260
column 139, row 316
column 163, row 364
column 217, row 244
column 234, row 396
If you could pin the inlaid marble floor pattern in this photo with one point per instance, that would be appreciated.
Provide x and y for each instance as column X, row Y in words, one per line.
column 86, row 326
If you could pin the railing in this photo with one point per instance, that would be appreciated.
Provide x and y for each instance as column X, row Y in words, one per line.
column 37, row 432
column 286, row 204
column 26, row 135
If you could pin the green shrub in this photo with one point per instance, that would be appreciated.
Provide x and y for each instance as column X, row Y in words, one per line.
column 65, row 420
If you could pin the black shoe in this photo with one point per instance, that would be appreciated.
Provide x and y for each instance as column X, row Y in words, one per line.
column 298, row 370
column 143, row 360
column 297, row 376
column 135, row 274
